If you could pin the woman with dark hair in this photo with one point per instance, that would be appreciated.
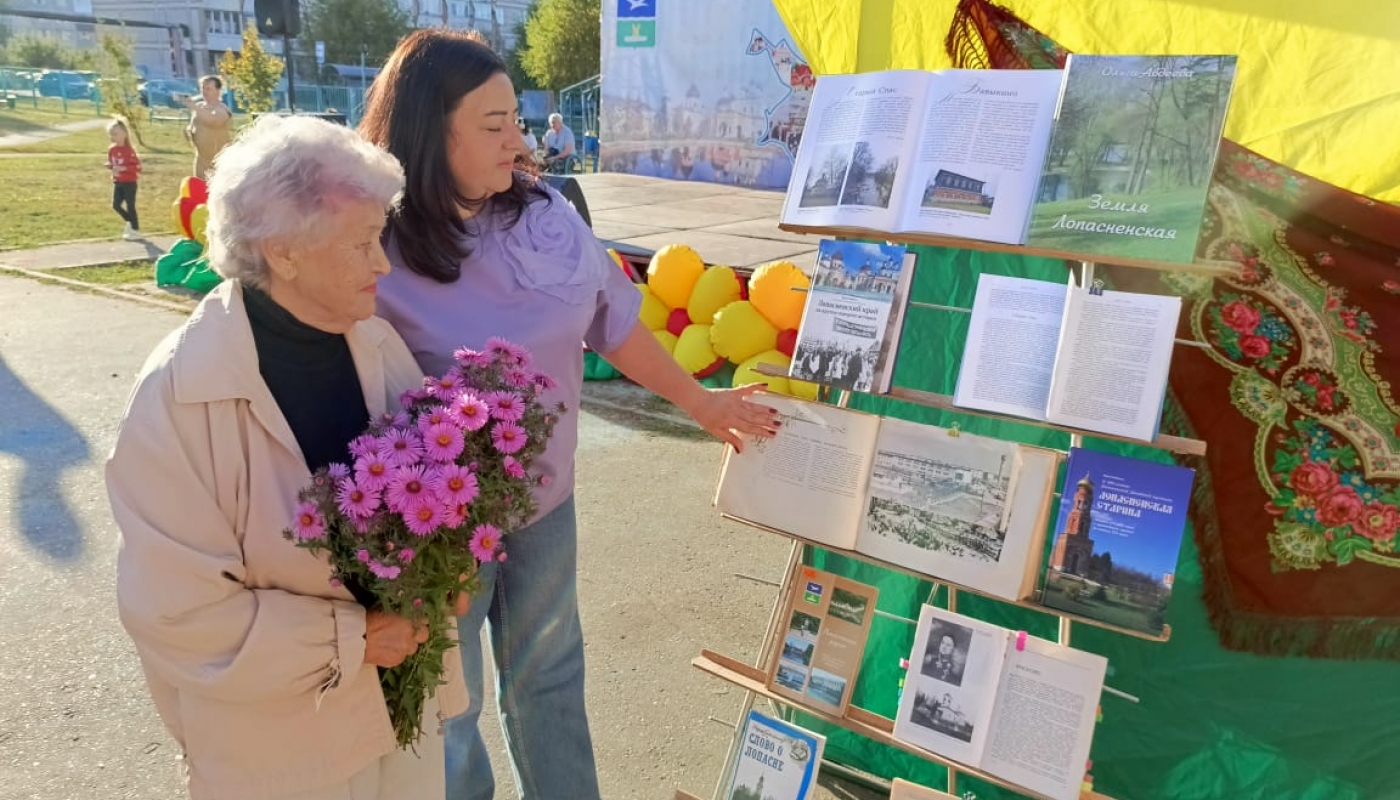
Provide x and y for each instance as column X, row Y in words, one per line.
column 485, row 251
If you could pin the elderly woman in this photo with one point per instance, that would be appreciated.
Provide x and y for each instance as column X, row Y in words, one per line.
column 263, row 671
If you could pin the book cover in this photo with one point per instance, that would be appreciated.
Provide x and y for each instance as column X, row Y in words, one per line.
column 776, row 761
column 1131, row 155
column 901, row 789
column 826, row 622
column 853, row 316
column 1117, row 539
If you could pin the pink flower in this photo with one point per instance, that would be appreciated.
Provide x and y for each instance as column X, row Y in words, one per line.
column 401, row 447
column 501, row 556
column 363, row 446
column 469, row 411
column 406, row 554
column 423, row 517
column 507, row 437
column 455, row 484
column 1312, row 479
column 407, row 486
column 1339, row 508
column 1240, row 315
column 446, row 386
column 508, row 353
column 362, row 556
column 309, row 523
column 433, row 416
column 485, row 540
column 519, row 378
column 384, row 571
column 545, row 480
column 354, row 501
column 337, row 471
column 1255, row 346
column 465, row 356
column 413, row 396
column 513, row 468
column 544, row 382
column 455, row 516
column 394, row 419
column 372, row 472
column 1378, row 521
column 443, row 442
column 505, row 406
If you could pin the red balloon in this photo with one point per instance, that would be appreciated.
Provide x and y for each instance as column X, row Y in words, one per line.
column 187, row 206
column 787, row 342
column 199, row 190
column 678, row 321
column 712, row 369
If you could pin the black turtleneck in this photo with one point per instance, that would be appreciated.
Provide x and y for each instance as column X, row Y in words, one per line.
column 312, row 377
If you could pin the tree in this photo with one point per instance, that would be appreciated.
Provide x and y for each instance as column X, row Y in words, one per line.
column 252, row 73
column 346, row 26
column 515, row 66
column 563, row 42
column 42, row 52
column 120, row 82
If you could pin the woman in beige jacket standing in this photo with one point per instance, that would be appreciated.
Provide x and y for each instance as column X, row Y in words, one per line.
column 263, row 671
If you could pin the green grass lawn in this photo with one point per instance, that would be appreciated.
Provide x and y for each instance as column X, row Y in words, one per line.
column 1179, row 209
column 119, row 274
column 62, row 198
column 160, row 137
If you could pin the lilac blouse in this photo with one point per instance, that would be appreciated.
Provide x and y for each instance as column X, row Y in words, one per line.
column 545, row 283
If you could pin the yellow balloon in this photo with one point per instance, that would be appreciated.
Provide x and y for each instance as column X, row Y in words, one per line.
column 747, row 373
column 740, row 332
column 693, row 349
column 653, row 313
column 666, row 338
column 175, row 216
column 672, row 274
column 199, row 218
column 185, row 186
column 717, row 288
column 803, row 389
column 771, row 290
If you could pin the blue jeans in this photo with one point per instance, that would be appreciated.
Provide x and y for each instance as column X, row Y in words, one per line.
column 531, row 603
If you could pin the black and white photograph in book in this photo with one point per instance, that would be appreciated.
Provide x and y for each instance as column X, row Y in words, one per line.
column 941, row 711
column 945, row 658
column 960, row 190
column 792, row 676
column 847, row 606
column 870, row 178
column 952, row 501
column 822, row 186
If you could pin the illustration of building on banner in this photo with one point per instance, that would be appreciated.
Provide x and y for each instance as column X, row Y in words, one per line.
column 711, row 92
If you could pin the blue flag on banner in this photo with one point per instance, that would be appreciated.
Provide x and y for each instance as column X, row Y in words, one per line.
column 636, row 8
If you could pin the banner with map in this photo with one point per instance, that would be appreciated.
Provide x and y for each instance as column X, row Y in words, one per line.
column 702, row 91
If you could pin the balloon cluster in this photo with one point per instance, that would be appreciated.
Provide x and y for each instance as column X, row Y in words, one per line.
column 707, row 317
column 189, row 211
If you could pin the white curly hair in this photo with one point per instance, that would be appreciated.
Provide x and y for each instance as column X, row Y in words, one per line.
column 274, row 183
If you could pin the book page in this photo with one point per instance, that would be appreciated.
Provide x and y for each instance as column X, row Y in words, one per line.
column 777, row 756
column 1112, row 361
column 984, row 138
column 857, row 142
column 954, row 667
column 963, row 508
column 822, row 638
column 810, row 479
column 1009, row 357
column 1044, row 720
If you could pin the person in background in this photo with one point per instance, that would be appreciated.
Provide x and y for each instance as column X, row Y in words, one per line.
column 264, row 669
column 211, row 123
column 558, row 143
column 484, row 251
column 126, row 170
column 529, row 145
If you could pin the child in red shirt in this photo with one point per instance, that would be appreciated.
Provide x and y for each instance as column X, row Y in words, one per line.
column 125, row 166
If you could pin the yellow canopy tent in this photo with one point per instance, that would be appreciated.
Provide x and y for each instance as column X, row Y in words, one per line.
column 1316, row 87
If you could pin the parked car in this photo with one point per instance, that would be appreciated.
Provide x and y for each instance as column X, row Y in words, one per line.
column 162, row 91
column 62, row 83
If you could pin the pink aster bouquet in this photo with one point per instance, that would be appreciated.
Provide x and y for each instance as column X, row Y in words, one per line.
column 431, row 491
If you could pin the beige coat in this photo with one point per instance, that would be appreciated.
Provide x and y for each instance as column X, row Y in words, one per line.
column 238, row 630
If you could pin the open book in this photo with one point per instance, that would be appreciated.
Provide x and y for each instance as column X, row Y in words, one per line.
column 776, row 760
column 853, row 316
column 957, row 152
column 1061, row 354
column 958, row 507
column 1015, row 706
column 825, row 623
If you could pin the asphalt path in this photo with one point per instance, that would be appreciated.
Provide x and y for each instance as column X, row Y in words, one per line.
column 660, row 575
